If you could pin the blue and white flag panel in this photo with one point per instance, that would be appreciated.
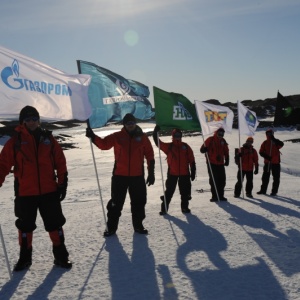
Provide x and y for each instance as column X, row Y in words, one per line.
column 112, row 96
column 212, row 117
column 247, row 120
column 55, row 94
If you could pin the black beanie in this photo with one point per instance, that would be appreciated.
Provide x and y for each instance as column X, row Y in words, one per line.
column 128, row 117
column 26, row 112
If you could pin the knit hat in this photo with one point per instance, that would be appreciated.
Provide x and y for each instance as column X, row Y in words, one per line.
column 26, row 112
column 270, row 131
column 129, row 118
column 250, row 139
column 220, row 132
column 176, row 133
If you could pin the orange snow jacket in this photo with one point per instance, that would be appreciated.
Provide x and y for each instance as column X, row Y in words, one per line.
column 38, row 169
column 271, row 148
column 249, row 158
column 217, row 149
column 180, row 157
column 130, row 151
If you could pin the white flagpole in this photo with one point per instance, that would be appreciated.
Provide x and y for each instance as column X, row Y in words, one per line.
column 240, row 160
column 162, row 176
column 5, row 254
column 98, row 182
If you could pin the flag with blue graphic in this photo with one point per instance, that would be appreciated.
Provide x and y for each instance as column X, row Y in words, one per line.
column 174, row 110
column 55, row 94
column 247, row 120
column 112, row 96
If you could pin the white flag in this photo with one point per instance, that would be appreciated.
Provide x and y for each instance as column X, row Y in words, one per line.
column 247, row 120
column 212, row 117
column 55, row 94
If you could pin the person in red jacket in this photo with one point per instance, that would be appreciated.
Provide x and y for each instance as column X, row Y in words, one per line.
column 131, row 147
column 247, row 156
column 181, row 169
column 269, row 150
column 217, row 154
column 41, row 180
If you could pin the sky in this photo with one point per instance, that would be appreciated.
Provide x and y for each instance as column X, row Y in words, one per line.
column 228, row 50
column 242, row 249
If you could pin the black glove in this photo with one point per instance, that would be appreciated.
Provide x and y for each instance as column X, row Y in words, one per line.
column 62, row 192
column 226, row 162
column 265, row 156
column 256, row 170
column 193, row 171
column 90, row 133
column 62, row 188
column 203, row 149
column 157, row 128
column 268, row 157
column 276, row 141
column 151, row 178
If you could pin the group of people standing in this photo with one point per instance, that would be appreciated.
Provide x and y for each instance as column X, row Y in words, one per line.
column 41, row 177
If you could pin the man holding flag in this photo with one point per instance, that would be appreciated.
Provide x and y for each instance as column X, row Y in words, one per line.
column 181, row 169
column 217, row 119
column 217, row 151
column 131, row 147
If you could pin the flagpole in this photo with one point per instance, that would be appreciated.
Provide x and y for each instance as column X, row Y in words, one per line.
column 240, row 158
column 5, row 253
column 161, row 171
column 95, row 166
column 97, row 178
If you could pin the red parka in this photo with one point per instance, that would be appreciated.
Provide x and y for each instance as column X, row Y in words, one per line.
column 180, row 157
column 38, row 169
column 249, row 158
column 271, row 148
column 129, row 151
column 217, row 149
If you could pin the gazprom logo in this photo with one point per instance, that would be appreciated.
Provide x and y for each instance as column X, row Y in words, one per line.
column 11, row 78
column 181, row 113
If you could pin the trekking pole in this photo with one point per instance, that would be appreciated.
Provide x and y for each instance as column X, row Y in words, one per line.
column 5, row 254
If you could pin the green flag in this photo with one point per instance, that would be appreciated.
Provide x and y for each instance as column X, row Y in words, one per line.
column 174, row 111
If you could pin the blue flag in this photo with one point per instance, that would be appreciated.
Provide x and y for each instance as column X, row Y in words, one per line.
column 112, row 96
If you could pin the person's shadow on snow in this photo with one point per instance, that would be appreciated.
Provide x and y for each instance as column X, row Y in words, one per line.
column 282, row 248
column 275, row 208
column 46, row 287
column 133, row 278
column 201, row 260
column 11, row 286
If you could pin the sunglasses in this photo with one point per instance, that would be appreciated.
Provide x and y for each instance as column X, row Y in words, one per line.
column 130, row 123
column 269, row 133
column 177, row 135
column 34, row 119
column 220, row 133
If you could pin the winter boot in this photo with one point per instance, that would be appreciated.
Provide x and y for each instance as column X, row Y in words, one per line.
column 25, row 259
column 141, row 230
column 61, row 257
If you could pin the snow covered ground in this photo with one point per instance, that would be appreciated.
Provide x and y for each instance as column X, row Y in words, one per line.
column 242, row 249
